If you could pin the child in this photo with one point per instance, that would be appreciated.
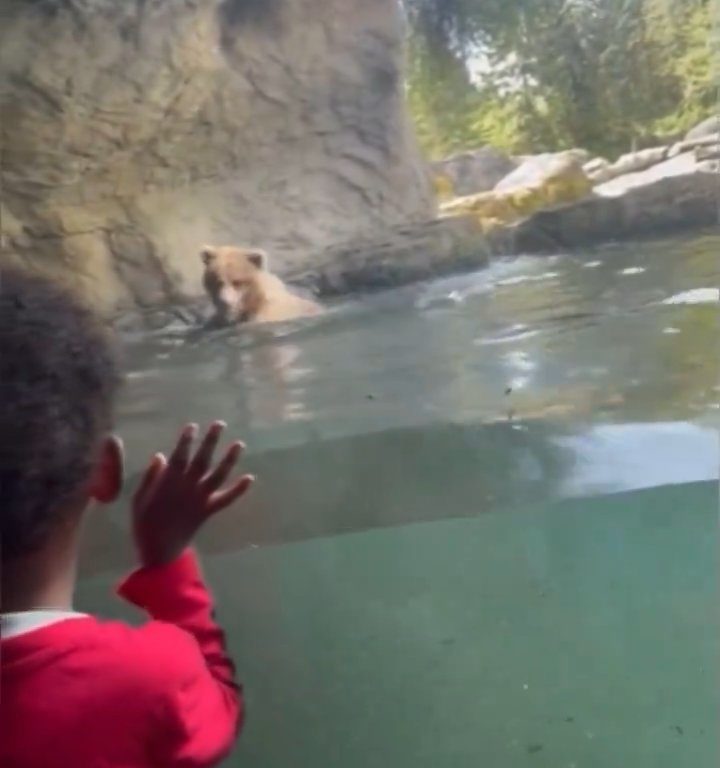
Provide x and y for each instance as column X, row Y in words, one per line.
column 77, row 691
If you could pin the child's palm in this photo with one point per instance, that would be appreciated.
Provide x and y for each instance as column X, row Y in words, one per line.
column 178, row 495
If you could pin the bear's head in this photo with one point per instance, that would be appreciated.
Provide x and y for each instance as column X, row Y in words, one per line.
column 232, row 279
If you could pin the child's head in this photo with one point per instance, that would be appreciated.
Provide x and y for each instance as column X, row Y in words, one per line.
column 58, row 379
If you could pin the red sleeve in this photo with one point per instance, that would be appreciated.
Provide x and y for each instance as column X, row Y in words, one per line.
column 202, row 707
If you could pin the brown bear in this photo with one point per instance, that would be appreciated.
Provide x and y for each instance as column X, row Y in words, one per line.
column 242, row 289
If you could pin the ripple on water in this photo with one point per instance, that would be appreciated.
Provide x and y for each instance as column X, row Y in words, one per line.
column 519, row 279
column 520, row 361
column 695, row 296
column 515, row 333
column 145, row 374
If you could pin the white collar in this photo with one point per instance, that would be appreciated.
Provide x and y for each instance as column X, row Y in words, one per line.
column 14, row 624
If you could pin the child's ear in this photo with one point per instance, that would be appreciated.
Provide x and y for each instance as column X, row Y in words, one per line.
column 107, row 480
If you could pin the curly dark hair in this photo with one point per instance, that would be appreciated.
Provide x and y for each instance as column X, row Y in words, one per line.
column 59, row 375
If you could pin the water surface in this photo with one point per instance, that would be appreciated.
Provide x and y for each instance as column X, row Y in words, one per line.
column 484, row 531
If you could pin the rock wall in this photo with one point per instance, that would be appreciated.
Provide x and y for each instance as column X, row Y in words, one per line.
column 135, row 131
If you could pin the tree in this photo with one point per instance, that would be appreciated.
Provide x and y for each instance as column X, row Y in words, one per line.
column 602, row 74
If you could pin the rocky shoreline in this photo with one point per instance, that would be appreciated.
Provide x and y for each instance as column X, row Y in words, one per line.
column 662, row 191
column 671, row 198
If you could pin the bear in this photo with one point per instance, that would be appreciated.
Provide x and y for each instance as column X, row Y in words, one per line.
column 243, row 290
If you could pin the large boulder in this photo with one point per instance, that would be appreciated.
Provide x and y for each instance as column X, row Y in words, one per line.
column 475, row 171
column 669, row 197
column 710, row 141
column 706, row 128
column 134, row 132
column 709, row 152
column 536, row 170
column 600, row 170
column 540, row 182
column 641, row 160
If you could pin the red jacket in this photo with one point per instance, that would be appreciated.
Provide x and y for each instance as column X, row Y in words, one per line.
column 84, row 693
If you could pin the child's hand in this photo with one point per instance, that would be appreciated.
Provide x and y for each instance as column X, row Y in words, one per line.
column 178, row 495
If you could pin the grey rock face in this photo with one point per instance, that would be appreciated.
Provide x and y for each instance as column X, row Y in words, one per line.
column 134, row 132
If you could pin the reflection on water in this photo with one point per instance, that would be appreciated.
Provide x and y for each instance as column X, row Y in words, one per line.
column 519, row 622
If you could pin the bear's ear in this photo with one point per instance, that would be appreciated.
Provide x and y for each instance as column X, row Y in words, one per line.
column 258, row 258
column 207, row 254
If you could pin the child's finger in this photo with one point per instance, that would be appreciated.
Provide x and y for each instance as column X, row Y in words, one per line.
column 199, row 465
column 220, row 474
column 152, row 473
column 222, row 499
column 181, row 455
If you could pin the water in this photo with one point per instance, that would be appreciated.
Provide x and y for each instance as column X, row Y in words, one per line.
column 485, row 527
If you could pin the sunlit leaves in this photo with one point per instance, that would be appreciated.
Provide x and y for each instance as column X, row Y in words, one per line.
column 603, row 74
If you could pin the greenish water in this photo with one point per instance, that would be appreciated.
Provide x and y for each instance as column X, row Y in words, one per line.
column 485, row 531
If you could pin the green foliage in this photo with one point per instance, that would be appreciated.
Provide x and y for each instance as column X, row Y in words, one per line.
column 441, row 97
column 602, row 74
column 686, row 43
